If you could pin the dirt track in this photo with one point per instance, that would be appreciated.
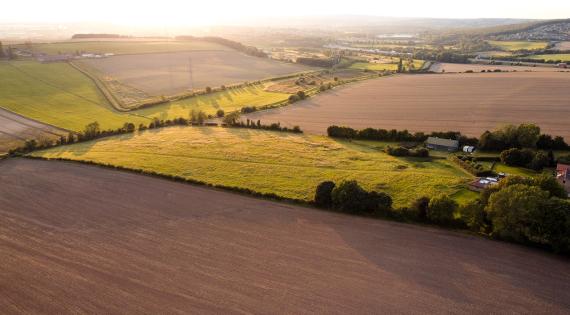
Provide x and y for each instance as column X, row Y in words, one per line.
column 470, row 103
column 76, row 239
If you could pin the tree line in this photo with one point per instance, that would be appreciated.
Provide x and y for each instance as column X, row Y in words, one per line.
column 532, row 211
column 395, row 135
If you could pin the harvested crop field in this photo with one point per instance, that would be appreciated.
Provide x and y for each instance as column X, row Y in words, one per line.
column 460, row 67
column 175, row 248
column 562, row 46
column 470, row 103
column 169, row 73
column 15, row 130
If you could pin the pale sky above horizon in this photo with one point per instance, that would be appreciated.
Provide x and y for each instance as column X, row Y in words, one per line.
column 180, row 12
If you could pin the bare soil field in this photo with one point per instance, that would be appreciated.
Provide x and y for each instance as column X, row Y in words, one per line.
column 470, row 103
column 457, row 67
column 109, row 242
column 562, row 46
column 168, row 73
column 16, row 129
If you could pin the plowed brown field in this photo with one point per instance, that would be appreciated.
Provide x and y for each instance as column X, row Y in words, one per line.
column 470, row 103
column 82, row 239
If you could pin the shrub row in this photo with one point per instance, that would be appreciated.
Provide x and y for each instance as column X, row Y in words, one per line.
column 469, row 164
column 395, row 135
column 402, row 151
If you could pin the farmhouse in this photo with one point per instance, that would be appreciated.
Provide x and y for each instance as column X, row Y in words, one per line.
column 563, row 176
column 441, row 144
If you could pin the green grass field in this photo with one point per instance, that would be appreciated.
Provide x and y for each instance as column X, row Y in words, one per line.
column 122, row 47
column 60, row 95
column 518, row 45
column 289, row 165
column 562, row 57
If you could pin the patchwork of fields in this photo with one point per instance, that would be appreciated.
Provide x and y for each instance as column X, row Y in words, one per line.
column 64, row 97
column 103, row 241
column 175, row 72
column 470, row 103
column 288, row 165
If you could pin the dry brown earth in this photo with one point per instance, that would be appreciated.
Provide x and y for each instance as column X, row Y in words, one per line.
column 470, row 103
column 82, row 239
column 168, row 73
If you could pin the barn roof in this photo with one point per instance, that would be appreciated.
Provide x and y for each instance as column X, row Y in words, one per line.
column 443, row 142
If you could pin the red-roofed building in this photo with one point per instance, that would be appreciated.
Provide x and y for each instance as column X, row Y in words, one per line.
column 563, row 176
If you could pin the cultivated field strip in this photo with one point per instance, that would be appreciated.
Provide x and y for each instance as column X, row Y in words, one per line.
column 16, row 129
column 171, row 248
column 470, row 103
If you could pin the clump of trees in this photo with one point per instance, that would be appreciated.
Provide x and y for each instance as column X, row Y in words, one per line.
column 300, row 95
column 523, row 210
column 401, row 151
column 521, row 136
column 350, row 197
column 528, row 158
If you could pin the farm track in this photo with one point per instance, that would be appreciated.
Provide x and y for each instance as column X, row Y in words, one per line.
column 103, row 241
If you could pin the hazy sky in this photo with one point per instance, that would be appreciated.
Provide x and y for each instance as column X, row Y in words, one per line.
column 204, row 12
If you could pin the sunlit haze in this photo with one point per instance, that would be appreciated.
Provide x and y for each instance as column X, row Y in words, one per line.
column 180, row 12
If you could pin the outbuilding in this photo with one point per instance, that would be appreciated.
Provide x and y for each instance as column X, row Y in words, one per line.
column 441, row 144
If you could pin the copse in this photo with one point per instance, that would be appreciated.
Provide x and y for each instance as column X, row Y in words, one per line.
column 350, row 197
column 521, row 136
